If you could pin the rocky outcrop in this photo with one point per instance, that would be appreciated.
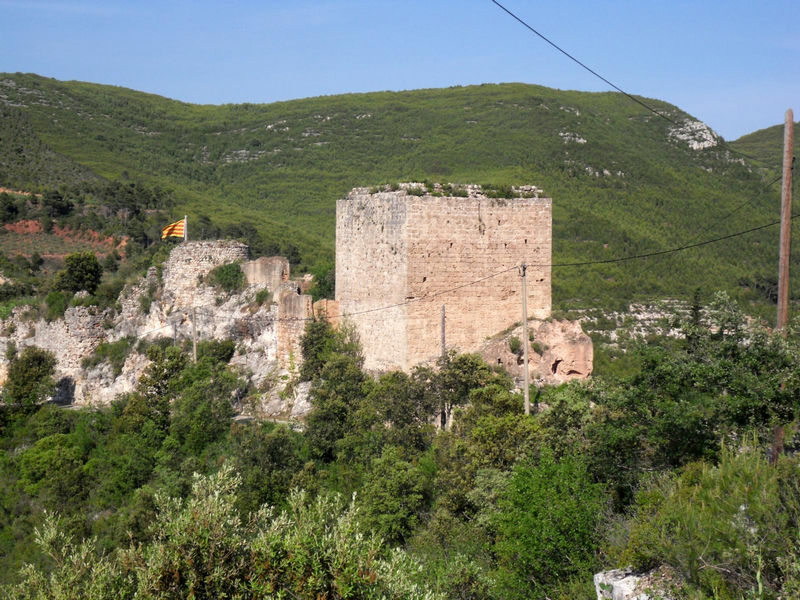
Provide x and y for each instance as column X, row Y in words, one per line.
column 558, row 351
column 176, row 302
column 566, row 351
column 626, row 584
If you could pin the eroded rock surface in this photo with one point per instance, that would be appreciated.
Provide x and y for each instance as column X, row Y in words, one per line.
column 177, row 304
column 559, row 351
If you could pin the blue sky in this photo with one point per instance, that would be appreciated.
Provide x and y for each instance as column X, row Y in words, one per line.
column 734, row 64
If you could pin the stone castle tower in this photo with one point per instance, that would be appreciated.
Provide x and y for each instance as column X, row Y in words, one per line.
column 400, row 257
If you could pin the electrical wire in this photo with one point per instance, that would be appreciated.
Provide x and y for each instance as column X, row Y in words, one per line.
column 714, row 224
column 575, row 60
column 205, row 311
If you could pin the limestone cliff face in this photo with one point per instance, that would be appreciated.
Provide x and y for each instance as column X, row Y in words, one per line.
column 176, row 304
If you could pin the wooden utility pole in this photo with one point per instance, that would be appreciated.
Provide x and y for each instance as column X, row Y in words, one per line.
column 526, row 384
column 194, row 335
column 786, row 223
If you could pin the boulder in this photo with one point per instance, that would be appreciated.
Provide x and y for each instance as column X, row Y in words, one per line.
column 559, row 351
column 626, row 584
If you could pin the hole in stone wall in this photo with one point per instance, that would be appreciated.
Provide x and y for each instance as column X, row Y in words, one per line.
column 526, row 240
column 554, row 368
column 424, row 279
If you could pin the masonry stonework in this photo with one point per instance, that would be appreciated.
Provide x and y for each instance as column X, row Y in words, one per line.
column 414, row 254
column 189, row 262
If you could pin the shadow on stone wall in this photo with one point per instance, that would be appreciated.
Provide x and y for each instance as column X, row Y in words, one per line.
column 65, row 391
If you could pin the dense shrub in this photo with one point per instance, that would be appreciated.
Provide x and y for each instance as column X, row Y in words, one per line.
column 82, row 272
column 202, row 548
column 30, row 377
column 228, row 277
column 547, row 523
column 728, row 529
column 113, row 352
column 56, row 303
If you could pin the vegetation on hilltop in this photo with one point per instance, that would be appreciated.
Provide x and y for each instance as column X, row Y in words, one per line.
column 766, row 146
column 622, row 181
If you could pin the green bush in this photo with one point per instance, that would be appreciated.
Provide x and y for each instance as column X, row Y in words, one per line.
column 263, row 296
column 30, row 377
column 200, row 547
column 393, row 496
column 82, row 272
column 228, row 277
column 324, row 281
column 515, row 345
column 56, row 303
column 547, row 525
column 728, row 529
column 113, row 352
column 216, row 351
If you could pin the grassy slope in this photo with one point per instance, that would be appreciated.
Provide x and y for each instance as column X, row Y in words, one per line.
column 283, row 165
column 766, row 146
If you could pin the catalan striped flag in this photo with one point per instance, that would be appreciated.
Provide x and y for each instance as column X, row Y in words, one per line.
column 176, row 229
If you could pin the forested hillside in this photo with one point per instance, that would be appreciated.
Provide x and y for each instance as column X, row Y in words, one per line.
column 623, row 180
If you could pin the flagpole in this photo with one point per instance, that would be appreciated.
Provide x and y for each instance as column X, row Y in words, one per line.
column 185, row 227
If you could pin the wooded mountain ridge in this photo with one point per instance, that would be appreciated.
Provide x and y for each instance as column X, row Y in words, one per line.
column 624, row 181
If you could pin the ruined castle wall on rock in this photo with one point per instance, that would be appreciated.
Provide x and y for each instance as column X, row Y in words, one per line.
column 393, row 247
column 267, row 271
column 294, row 310
column 189, row 262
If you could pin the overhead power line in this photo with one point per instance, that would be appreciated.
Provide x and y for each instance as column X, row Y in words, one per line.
column 587, row 263
column 575, row 60
column 486, row 278
column 739, row 207
column 669, row 251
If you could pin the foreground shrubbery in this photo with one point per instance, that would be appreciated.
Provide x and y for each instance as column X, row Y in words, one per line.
column 666, row 465
column 727, row 528
column 202, row 548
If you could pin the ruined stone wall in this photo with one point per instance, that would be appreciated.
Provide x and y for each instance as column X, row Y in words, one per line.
column 69, row 339
column 294, row 310
column 371, row 273
column 268, row 272
column 393, row 247
column 189, row 262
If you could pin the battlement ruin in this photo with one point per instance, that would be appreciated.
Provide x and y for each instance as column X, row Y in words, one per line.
column 402, row 254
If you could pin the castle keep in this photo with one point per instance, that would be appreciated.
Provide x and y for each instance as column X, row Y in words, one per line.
column 414, row 253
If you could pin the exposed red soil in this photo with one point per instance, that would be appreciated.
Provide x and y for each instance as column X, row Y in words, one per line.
column 98, row 241
column 26, row 226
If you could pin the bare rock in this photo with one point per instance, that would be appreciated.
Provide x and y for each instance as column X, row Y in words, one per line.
column 626, row 584
column 559, row 351
column 567, row 352
column 301, row 401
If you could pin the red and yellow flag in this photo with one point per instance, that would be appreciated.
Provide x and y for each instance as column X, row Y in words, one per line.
column 176, row 229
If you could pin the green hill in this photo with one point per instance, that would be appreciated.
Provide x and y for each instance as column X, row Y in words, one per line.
column 766, row 146
column 623, row 180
